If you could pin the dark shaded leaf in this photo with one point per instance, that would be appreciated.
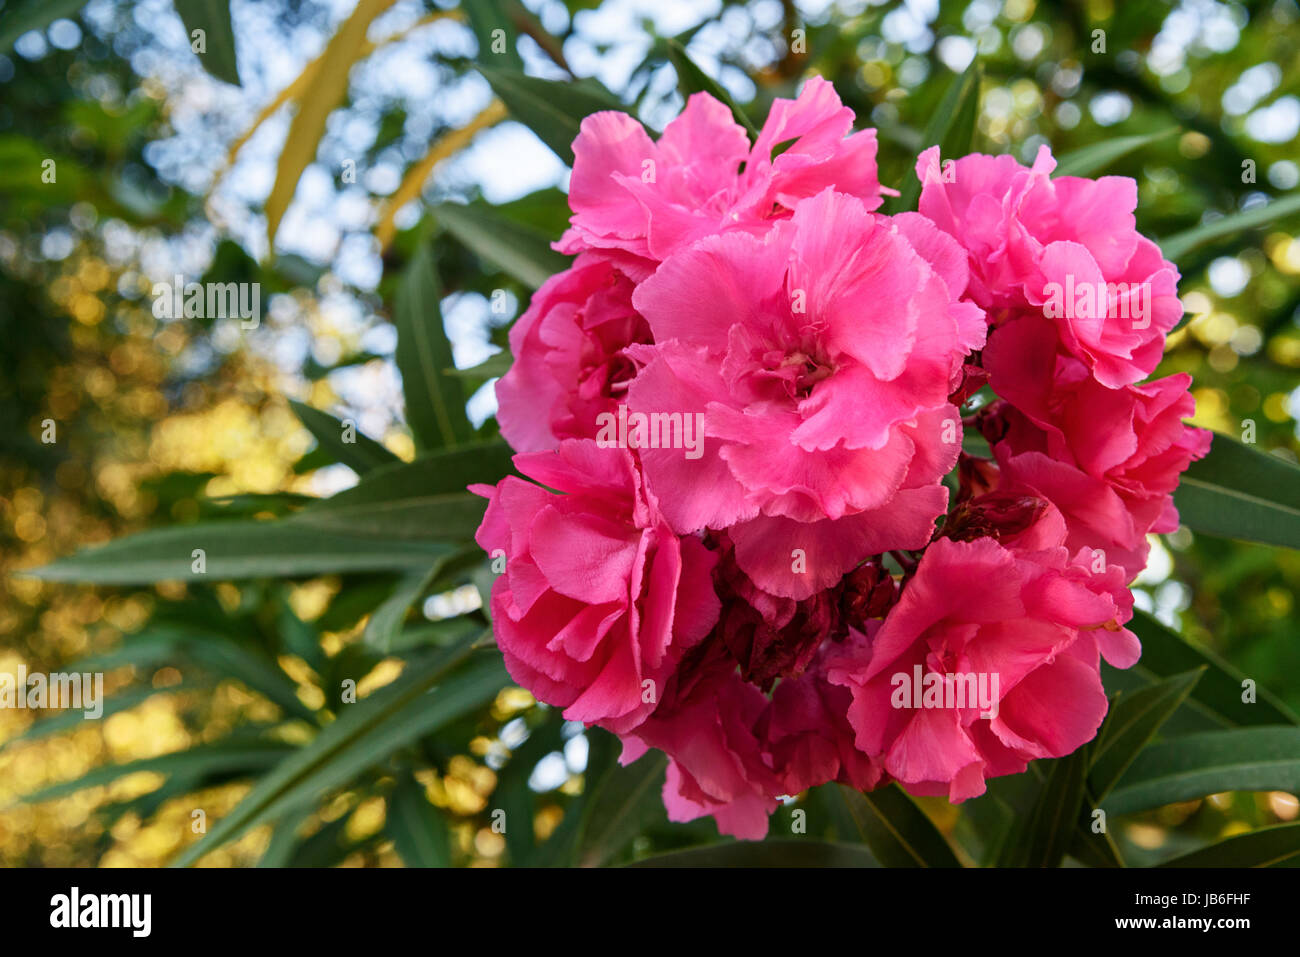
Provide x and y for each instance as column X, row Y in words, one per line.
column 1239, row 492
column 551, row 109
column 213, row 18
column 619, row 804
column 361, row 455
column 522, row 252
column 897, row 831
column 691, row 79
column 435, row 403
column 786, row 853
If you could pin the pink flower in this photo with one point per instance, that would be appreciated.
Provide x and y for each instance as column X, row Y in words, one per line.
column 706, row 724
column 599, row 599
column 650, row 198
column 820, row 358
column 1066, row 248
column 1108, row 459
column 806, row 731
column 570, row 358
column 1018, row 632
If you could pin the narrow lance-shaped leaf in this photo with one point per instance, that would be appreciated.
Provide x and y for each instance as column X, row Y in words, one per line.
column 691, row 79
column 365, row 734
column 418, row 829
column 325, row 91
column 494, row 32
column 768, row 853
column 1180, row 244
column 424, row 500
column 212, row 17
column 551, row 109
column 1242, row 493
column 618, row 808
column 343, row 441
column 1130, row 724
column 951, row 128
column 897, row 831
column 520, row 250
column 220, row 757
column 1043, row 836
column 1266, row 847
column 435, row 403
column 1092, row 159
column 386, row 620
column 221, row 551
column 1217, row 698
column 1194, row 765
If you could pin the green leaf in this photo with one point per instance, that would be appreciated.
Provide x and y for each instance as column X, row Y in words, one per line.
column 1043, row 836
column 435, row 403
column 550, row 109
column 897, row 831
column 512, row 793
column 69, row 719
column 486, row 17
column 418, row 829
column 1131, row 723
column 326, row 848
column 421, row 500
column 951, row 128
column 361, row 454
column 1094, row 850
column 1239, row 492
column 213, row 18
column 1090, row 160
column 284, row 840
column 786, row 853
column 20, row 17
column 222, row 757
column 237, row 550
column 622, row 800
column 1262, row 848
column 365, row 734
column 1180, row 244
column 386, row 620
column 1217, row 696
column 521, row 251
column 493, row 367
column 1194, row 765
column 691, row 79
column 226, row 659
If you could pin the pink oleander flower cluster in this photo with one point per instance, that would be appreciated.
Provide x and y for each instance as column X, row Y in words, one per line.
column 748, row 534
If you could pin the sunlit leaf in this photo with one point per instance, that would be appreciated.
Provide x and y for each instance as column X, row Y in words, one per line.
column 1194, row 765
column 1180, row 244
column 426, row 696
column 1095, row 157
